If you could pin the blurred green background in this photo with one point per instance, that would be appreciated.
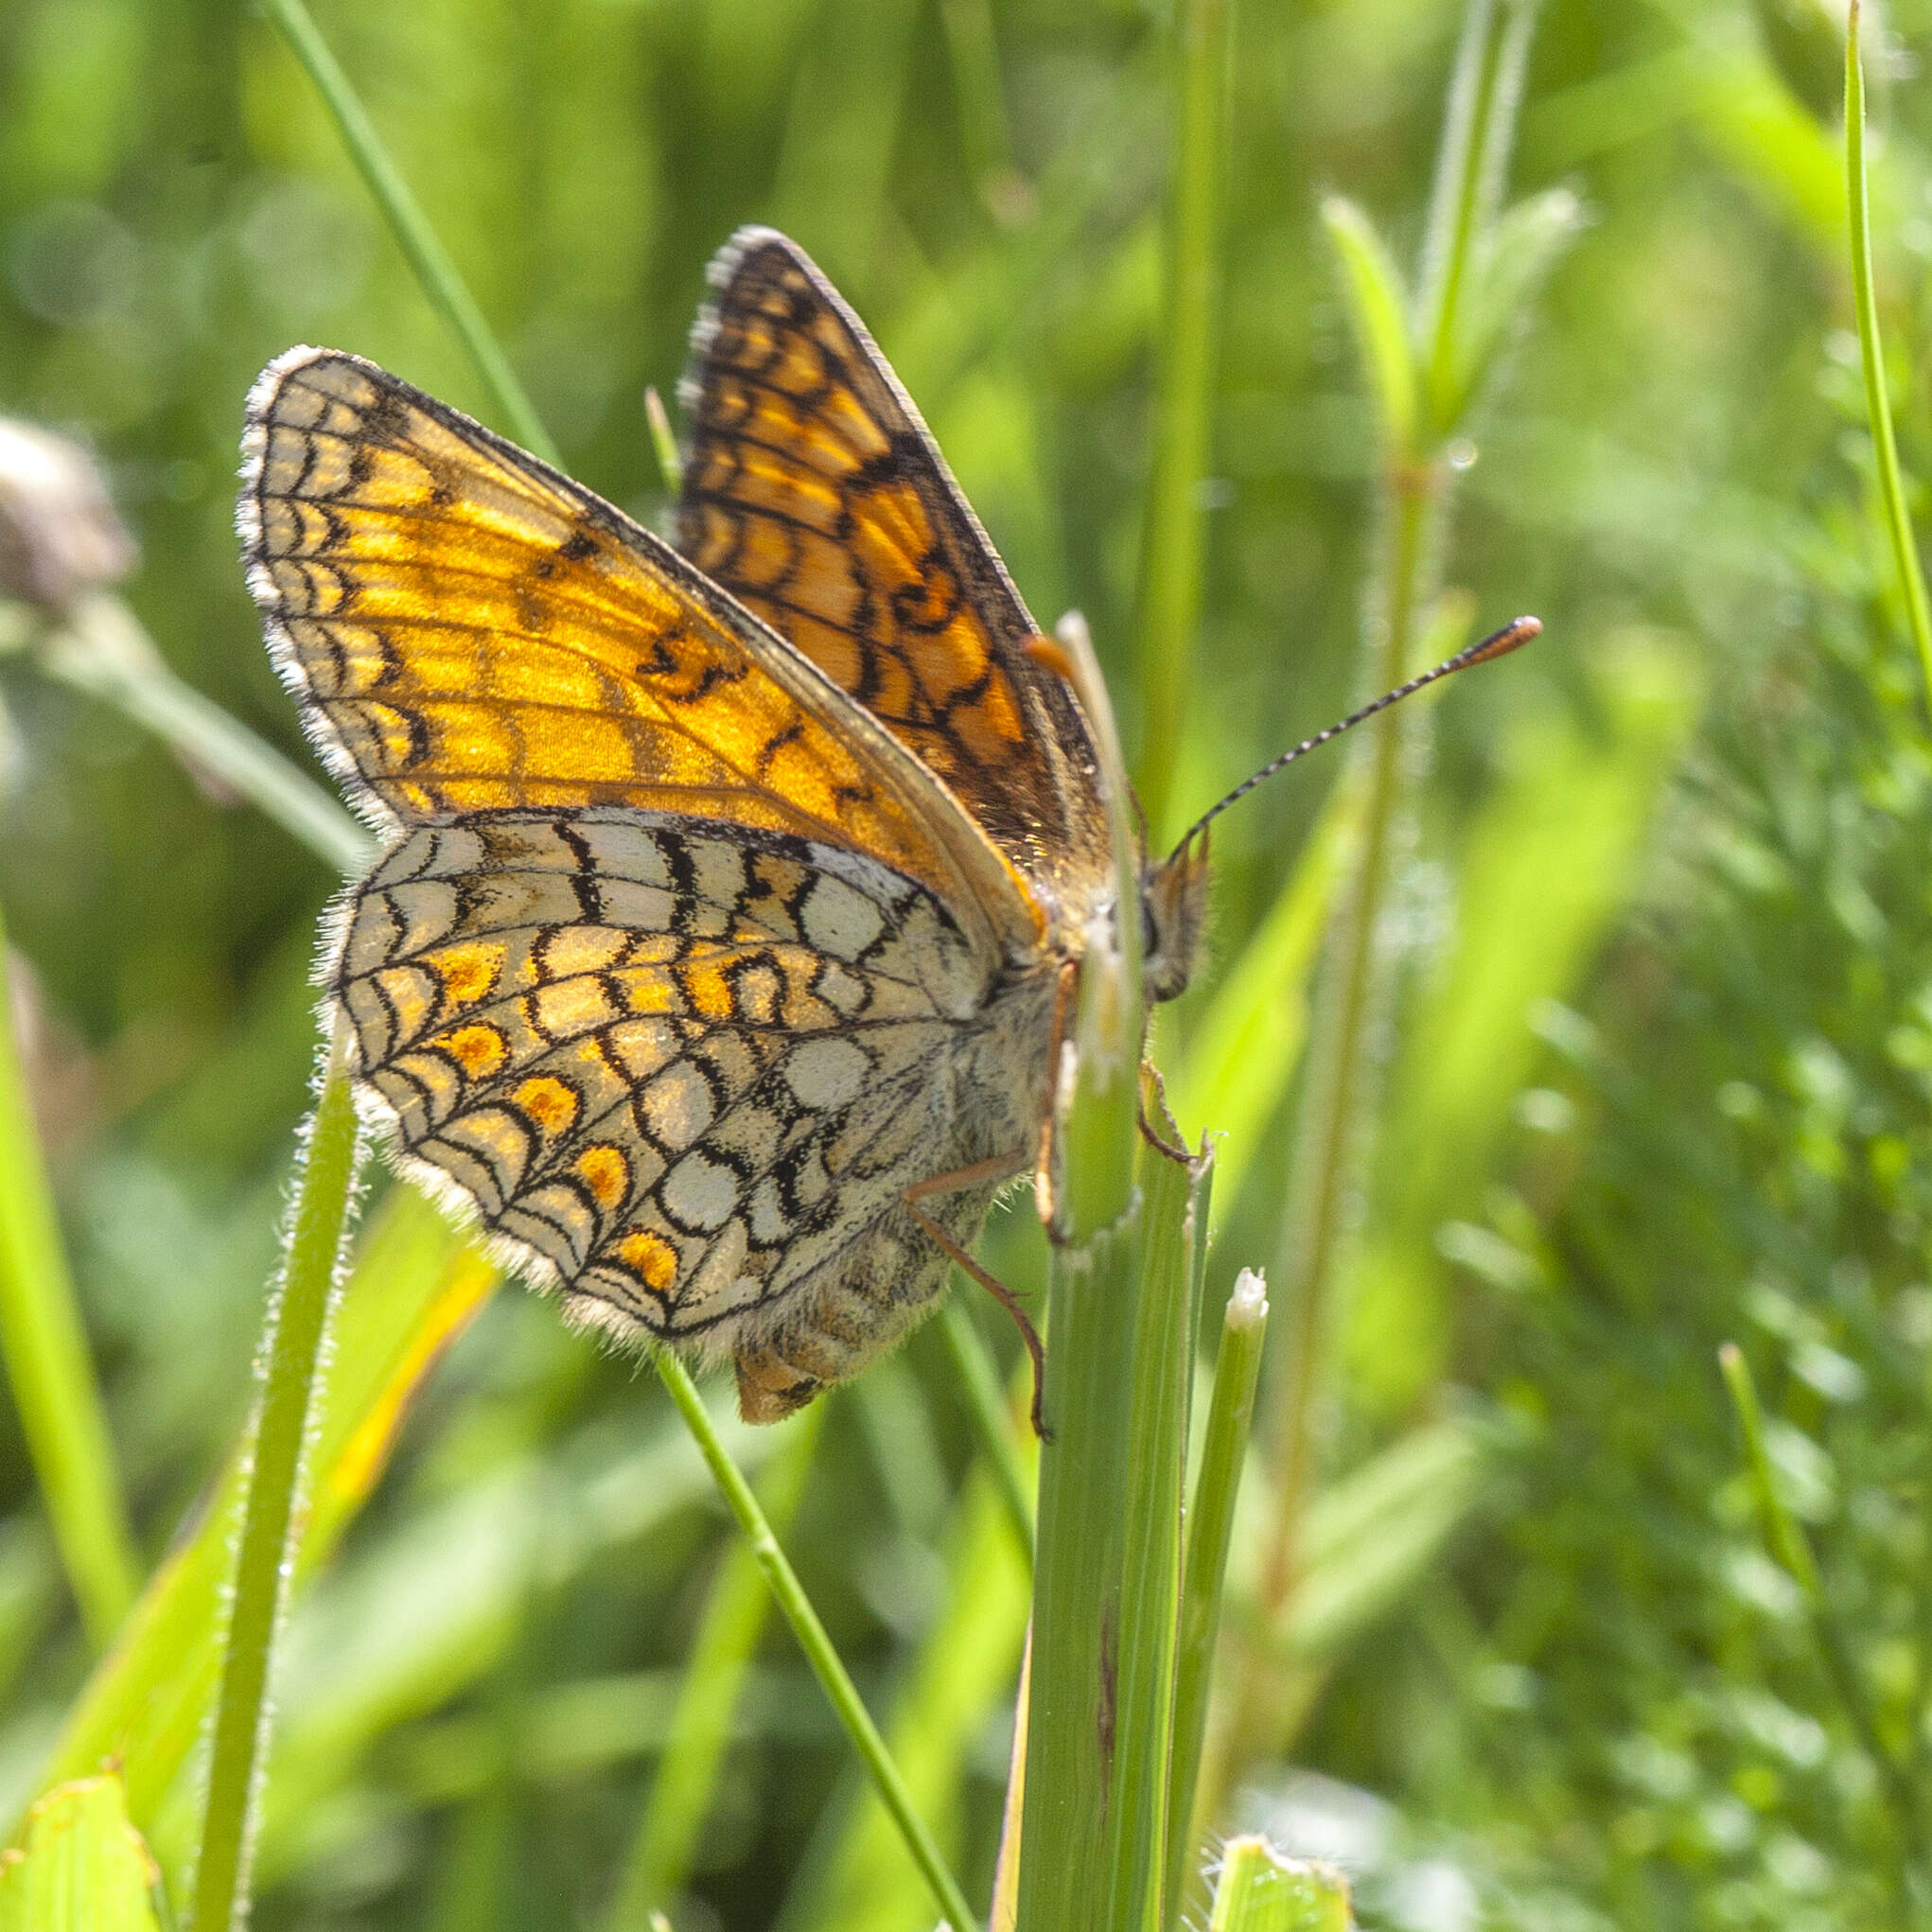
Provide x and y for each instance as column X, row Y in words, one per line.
column 1657, row 1055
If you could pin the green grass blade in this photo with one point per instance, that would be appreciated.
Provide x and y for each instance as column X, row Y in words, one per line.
column 961, row 1675
column 292, row 1358
column 663, row 442
column 985, row 128
column 1891, row 489
column 434, row 267
column 1899, row 1779
column 49, row 1369
column 1478, row 133
column 1168, row 606
column 1372, row 1534
column 1788, row 1541
column 1210, row 1534
column 818, row 1646
column 1517, row 257
column 714, row 1674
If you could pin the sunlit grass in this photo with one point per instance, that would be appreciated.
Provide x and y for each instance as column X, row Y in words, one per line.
column 1648, row 1066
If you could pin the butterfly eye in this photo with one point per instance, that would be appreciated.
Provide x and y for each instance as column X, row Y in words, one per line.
column 1173, row 912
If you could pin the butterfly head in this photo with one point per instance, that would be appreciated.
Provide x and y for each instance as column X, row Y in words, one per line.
column 1173, row 918
column 1173, row 894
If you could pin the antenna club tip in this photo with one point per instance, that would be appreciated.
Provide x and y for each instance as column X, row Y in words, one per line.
column 1512, row 636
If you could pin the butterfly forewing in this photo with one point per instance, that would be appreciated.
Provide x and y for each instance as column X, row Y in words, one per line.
column 465, row 629
column 814, row 494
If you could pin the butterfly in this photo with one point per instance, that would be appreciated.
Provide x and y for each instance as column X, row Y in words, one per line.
column 730, row 893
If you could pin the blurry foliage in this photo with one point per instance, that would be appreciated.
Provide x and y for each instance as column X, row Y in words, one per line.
column 1662, row 932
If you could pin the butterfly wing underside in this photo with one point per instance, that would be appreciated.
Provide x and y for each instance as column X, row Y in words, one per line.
column 668, row 936
column 814, row 493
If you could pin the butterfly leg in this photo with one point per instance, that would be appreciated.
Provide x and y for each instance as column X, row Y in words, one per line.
column 1150, row 1077
column 977, row 1175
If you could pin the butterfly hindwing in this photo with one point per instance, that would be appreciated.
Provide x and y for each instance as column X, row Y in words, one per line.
column 814, row 494
column 683, row 1071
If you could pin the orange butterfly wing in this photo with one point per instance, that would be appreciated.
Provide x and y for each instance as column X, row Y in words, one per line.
column 815, row 495
column 464, row 629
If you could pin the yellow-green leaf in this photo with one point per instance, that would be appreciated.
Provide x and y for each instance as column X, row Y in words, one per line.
column 83, row 1867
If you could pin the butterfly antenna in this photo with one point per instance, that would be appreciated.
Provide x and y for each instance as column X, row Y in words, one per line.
column 1497, row 645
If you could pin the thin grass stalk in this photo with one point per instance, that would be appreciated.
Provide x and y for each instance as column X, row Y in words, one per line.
column 1004, row 1913
column 991, row 1412
column 714, row 1672
column 441, row 282
column 985, row 129
column 435, row 269
column 49, row 1369
column 1210, row 1535
column 1168, row 606
column 663, row 442
column 290, row 1366
column 1891, row 489
column 818, row 1646
column 1471, row 164
column 1792, row 1551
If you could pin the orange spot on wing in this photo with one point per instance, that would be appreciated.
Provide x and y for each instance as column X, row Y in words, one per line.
column 478, row 1050
column 650, row 1257
column 548, row 1103
column 606, row 1173
column 468, row 972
